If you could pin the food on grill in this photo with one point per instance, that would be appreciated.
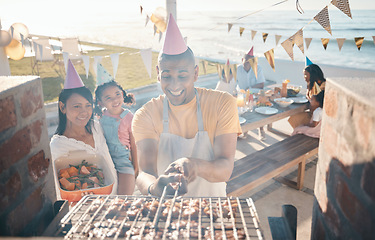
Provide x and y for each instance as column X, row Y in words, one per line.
column 81, row 176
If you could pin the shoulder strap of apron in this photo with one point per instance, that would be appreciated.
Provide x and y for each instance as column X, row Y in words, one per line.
column 165, row 114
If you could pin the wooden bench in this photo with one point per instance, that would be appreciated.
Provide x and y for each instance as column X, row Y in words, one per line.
column 259, row 167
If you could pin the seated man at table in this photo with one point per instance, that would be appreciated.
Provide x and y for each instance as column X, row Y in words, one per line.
column 246, row 79
column 188, row 136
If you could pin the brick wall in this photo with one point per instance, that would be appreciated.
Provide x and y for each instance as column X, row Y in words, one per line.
column 26, row 178
column 344, row 206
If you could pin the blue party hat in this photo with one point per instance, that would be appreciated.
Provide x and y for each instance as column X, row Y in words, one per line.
column 102, row 76
column 308, row 61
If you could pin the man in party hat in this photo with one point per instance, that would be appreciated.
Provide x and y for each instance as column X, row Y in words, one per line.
column 247, row 79
column 186, row 139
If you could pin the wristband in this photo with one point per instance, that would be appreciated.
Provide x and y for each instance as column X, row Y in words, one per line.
column 148, row 189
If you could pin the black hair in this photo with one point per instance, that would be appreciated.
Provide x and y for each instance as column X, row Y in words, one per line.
column 65, row 94
column 320, row 98
column 128, row 97
column 188, row 54
column 316, row 75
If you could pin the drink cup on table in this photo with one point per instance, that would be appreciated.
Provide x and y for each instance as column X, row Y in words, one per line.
column 284, row 89
column 240, row 102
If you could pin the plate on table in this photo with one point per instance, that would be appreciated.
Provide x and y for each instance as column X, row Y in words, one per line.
column 299, row 99
column 266, row 110
column 242, row 120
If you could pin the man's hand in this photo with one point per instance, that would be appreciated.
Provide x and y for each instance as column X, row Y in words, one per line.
column 171, row 182
column 184, row 166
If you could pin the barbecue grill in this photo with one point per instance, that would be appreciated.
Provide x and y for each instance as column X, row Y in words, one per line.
column 148, row 217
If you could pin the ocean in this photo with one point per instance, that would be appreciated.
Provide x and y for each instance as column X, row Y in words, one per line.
column 207, row 34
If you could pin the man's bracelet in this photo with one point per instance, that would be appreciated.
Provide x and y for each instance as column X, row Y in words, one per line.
column 149, row 188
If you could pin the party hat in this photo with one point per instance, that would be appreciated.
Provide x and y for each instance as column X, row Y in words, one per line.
column 251, row 52
column 174, row 43
column 308, row 61
column 102, row 76
column 72, row 79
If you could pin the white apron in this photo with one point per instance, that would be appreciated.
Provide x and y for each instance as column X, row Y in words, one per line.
column 173, row 147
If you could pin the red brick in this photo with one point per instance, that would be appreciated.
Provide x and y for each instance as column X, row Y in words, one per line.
column 38, row 166
column 8, row 116
column 357, row 215
column 36, row 132
column 367, row 181
column 31, row 101
column 15, row 148
column 330, row 103
column 9, row 191
column 24, row 213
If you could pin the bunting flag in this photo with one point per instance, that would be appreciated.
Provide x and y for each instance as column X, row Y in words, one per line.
column 155, row 29
column 160, row 35
column 97, row 59
column 204, row 66
column 288, row 46
column 358, row 42
column 141, row 9
column 298, row 40
column 253, row 34
column 308, row 41
column 265, row 35
column 230, row 25
column 340, row 42
column 86, row 62
column 233, row 67
column 146, row 55
column 270, row 56
column 254, row 65
column 277, row 39
column 219, row 70
column 147, row 19
column 65, row 58
column 241, row 31
column 22, row 39
column 323, row 19
column 11, row 30
column 325, row 42
column 343, row 5
column 115, row 58
column 40, row 51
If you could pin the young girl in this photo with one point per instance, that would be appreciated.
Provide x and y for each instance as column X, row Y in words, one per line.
column 313, row 128
column 116, row 123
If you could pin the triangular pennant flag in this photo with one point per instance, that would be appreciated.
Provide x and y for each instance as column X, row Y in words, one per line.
column 146, row 55
column 11, row 30
column 40, row 52
column 219, row 70
column 308, row 61
column 323, row 19
column 308, row 41
column 161, row 35
column 147, row 19
column 270, row 56
column 277, row 39
column 141, row 9
column 65, row 58
column 358, row 42
column 230, row 25
column 22, row 39
column 72, row 79
column 115, row 58
column 343, row 5
column 325, row 42
column 155, row 29
column 340, row 42
column 298, row 40
column 288, row 46
column 253, row 34
column 86, row 62
column 254, row 65
column 204, row 66
column 241, row 31
column 97, row 59
column 233, row 67
column 102, row 76
column 265, row 35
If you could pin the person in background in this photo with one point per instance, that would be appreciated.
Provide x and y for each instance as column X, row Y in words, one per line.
column 116, row 121
column 312, row 129
column 315, row 80
column 77, row 130
column 227, row 85
column 188, row 136
column 246, row 79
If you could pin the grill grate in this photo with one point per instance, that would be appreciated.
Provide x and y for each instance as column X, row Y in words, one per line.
column 146, row 217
